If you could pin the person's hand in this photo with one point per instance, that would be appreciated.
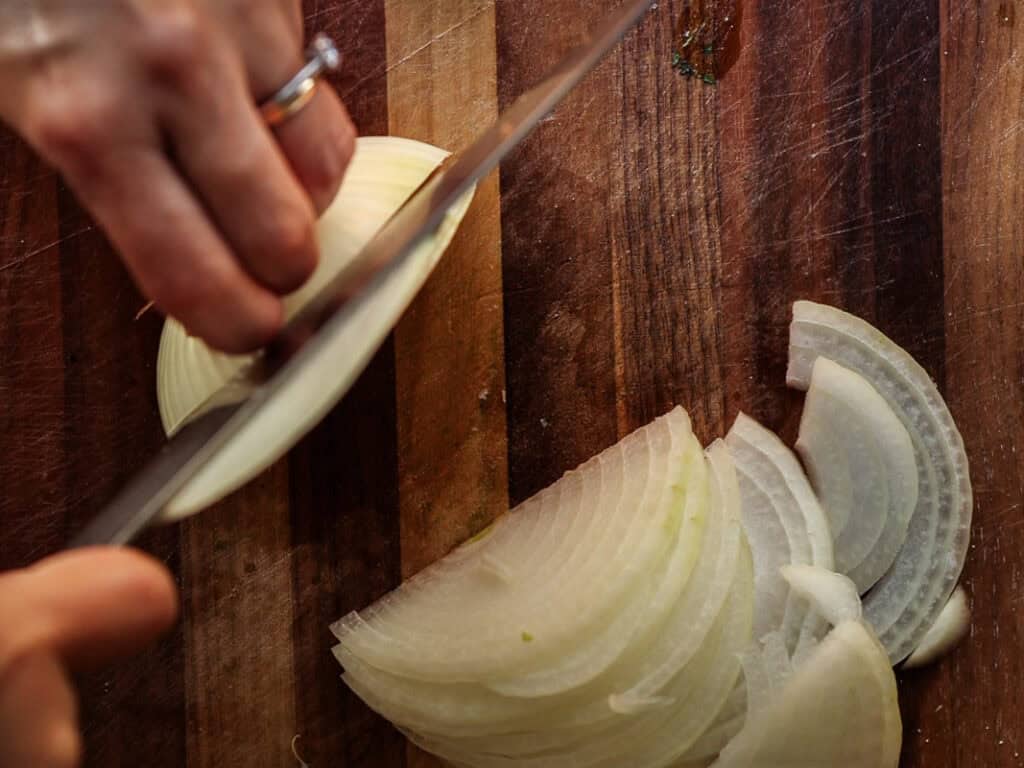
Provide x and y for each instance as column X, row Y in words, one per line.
column 149, row 108
column 69, row 612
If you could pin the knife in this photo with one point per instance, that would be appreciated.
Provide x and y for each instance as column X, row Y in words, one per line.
column 146, row 495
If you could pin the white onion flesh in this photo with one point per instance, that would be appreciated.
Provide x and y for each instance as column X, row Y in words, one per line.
column 838, row 709
column 784, row 524
column 662, row 605
column 625, row 511
column 384, row 172
column 659, row 695
column 860, row 460
column 907, row 600
column 946, row 633
column 832, row 595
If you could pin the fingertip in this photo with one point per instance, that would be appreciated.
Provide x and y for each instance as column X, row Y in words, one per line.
column 237, row 333
column 63, row 745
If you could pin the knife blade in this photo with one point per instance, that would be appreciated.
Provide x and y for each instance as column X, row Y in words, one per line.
column 146, row 495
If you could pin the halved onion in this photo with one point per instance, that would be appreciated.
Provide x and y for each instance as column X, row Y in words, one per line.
column 839, row 708
column 906, row 601
column 860, row 460
column 383, row 173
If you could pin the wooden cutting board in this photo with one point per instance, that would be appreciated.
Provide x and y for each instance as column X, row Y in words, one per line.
column 641, row 250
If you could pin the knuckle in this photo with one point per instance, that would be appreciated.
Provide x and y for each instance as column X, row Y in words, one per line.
column 291, row 243
column 173, row 42
column 183, row 293
column 72, row 131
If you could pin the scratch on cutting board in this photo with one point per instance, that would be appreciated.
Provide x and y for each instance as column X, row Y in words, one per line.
column 44, row 248
column 383, row 71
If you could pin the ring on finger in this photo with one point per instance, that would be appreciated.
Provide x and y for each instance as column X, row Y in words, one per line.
column 322, row 56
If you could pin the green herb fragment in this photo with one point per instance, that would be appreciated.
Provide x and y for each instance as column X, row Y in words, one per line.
column 527, row 637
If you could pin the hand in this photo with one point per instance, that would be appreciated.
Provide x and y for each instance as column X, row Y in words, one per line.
column 70, row 611
column 149, row 109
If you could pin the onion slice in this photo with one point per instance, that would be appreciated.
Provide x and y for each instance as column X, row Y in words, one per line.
column 906, row 601
column 946, row 633
column 384, row 172
column 838, row 708
column 860, row 460
column 784, row 524
column 831, row 594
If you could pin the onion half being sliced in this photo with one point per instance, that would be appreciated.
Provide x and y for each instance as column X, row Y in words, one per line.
column 906, row 601
column 384, row 172
column 860, row 460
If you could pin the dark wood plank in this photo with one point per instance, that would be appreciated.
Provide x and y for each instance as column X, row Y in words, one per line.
column 666, row 248
column 31, row 358
column 344, row 476
column 557, row 241
column 967, row 713
column 111, row 428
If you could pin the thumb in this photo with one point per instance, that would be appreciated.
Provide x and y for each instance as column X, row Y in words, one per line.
column 89, row 606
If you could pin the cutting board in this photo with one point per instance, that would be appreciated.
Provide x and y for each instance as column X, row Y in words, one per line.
column 641, row 250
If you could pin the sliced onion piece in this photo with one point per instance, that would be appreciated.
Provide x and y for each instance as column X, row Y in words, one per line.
column 946, row 633
column 653, row 737
column 636, row 622
column 784, row 524
column 860, row 460
column 831, row 594
column 449, row 624
column 906, row 601
column 383, row 173
column 838, row 709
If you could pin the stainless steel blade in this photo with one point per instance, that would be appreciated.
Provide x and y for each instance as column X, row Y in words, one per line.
column 149, row 492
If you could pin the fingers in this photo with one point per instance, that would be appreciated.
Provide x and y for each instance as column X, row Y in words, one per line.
column 38, row 717
column 90, row 606
column 174, row 252
column 318, row 142
column 231, row 159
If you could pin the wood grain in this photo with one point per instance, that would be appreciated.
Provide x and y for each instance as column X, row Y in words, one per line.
column 640, row 250
column 449, row 353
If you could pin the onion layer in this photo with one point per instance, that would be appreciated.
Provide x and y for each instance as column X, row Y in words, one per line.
column 860, row 459
column 838, row 709
column 905, row 602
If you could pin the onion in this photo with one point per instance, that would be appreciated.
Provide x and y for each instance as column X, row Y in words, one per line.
column 838, row 709
column 623, row 511
column 661, row 692
column 662, row 605
column 906, row 601
column 784, row 524
column 833, row 596
column 384, row 172
column 946, row 633
column 860, row 459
